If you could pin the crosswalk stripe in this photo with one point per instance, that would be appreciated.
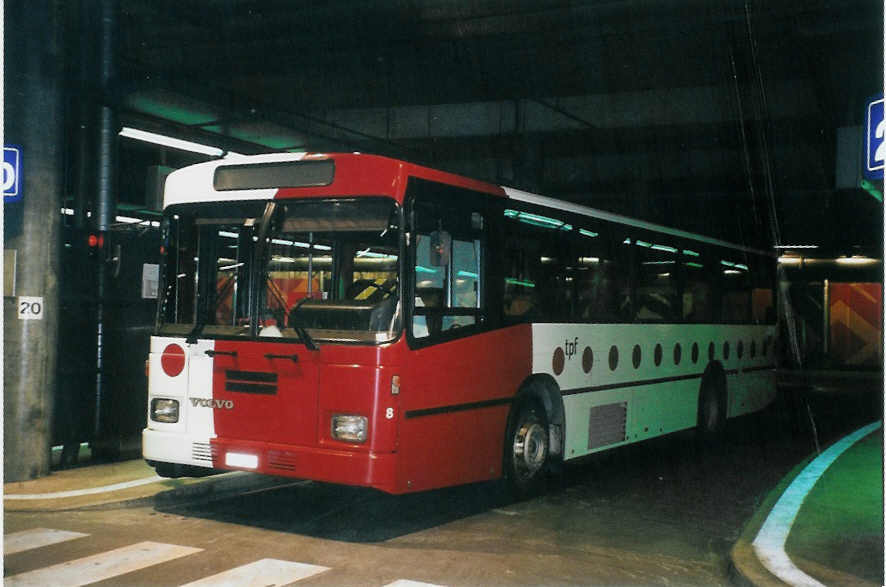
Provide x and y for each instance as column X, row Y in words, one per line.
column 99, row 567
column 265, row 572
column 35, row 538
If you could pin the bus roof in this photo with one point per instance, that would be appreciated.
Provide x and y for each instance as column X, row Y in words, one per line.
column 553, row 203
column 355, row 174
column 310, row 175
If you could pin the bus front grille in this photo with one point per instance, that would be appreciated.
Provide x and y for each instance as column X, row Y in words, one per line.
column 281, row 460
column 202, row 451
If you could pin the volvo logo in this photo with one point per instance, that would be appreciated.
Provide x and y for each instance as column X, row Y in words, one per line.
column 215, row 404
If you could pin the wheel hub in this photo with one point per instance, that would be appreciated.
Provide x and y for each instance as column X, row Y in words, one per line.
column 711, row 413
column 530, row 447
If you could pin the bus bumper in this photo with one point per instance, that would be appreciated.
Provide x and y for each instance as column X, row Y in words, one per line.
column 362, row 468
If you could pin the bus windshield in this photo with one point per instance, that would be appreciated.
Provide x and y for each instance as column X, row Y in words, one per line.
column 325, row 270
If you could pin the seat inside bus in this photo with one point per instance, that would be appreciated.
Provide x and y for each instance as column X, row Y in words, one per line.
column 358, row 315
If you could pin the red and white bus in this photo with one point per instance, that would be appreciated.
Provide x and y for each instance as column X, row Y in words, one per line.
column 360, row 320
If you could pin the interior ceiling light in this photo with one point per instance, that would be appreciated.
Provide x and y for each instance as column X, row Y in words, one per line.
column 790, row 260
column 172, row 143
column 795, row 247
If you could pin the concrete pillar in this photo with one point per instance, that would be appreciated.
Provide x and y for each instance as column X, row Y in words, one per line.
column 33, row 113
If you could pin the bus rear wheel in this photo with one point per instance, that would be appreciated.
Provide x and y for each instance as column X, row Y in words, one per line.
column 527, row 451
column 712, row 409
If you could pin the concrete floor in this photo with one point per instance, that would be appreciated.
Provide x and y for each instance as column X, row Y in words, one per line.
column 662, row 512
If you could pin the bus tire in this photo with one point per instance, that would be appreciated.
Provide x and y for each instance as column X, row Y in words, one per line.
column 712, row 405
column 527, row 450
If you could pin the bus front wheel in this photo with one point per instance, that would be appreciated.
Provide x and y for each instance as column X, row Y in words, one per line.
column 527, row 450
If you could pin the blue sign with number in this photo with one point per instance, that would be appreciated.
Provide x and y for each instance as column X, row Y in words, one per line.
column 875, row 139
column 11, row 173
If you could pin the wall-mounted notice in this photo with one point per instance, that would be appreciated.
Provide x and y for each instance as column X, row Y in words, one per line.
column 150, row 281
column 11, row 173
column 875, row 139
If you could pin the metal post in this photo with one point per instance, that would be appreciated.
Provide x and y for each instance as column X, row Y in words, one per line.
column 826, row 318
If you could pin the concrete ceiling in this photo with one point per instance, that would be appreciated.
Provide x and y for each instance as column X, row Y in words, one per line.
column 716, row 117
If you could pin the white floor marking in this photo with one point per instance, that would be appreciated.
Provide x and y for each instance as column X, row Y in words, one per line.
column 265, row 572
column 770, row 540
column 90, row 491
column 102, row 566
column 408, row 583
column 35, row 538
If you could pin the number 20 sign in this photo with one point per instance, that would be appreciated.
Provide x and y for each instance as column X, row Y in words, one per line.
column 875, row 140
column 30, row 307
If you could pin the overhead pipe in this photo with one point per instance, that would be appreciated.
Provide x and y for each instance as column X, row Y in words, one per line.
column 107, row 115
column 106, row 177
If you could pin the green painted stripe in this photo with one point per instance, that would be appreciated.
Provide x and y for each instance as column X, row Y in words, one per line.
column 770, row 541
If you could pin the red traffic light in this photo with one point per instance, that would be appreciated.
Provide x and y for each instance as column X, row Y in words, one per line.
column 95, row 241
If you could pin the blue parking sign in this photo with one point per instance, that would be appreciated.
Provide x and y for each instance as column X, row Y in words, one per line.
column 875, row 139
column 11, row 173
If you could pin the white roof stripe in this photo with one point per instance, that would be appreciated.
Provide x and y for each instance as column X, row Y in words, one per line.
column 530, row 198
column 194, row 183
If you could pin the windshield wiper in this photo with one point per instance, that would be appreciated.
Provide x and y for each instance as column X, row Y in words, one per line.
column 195, row 333
column 302, row 333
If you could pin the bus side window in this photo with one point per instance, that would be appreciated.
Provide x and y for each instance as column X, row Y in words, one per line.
column 447, row 271
column 521, row 298
column 466, row 269
column 538, row 259
column 600, row 279
column 736, row 283
column 656, row 283
column 430, row 279
column 697, row 295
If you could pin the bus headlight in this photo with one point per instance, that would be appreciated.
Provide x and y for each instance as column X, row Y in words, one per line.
column 349, row 428
column 164, row 410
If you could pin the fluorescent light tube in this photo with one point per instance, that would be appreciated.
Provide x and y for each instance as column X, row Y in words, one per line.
column 163, row 140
